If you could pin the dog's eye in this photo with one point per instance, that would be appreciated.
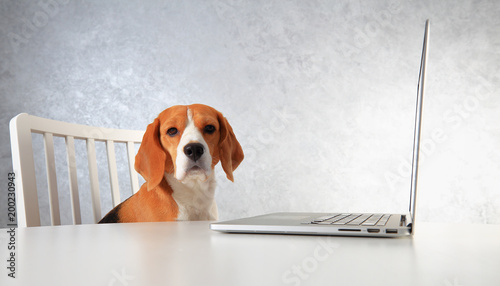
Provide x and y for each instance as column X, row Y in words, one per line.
column 209, row 129
column 172, row 131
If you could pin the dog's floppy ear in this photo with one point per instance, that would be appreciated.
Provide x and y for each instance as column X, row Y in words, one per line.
column 151, row 158
column 230, row 151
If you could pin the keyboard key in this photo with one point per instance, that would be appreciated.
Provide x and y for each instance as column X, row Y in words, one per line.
column 339, row 217
column 346, row 219
column 372, row 220
column 384, row 219
column 323, row 218
column 329, row 219
column 360, row 219
column 323, row 222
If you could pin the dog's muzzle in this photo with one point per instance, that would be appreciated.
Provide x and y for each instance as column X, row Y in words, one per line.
column 194, row 151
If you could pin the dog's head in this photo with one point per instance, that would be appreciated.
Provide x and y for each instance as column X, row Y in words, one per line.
column 187, row 141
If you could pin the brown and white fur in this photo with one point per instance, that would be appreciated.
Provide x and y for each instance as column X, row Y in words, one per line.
column 177, row 157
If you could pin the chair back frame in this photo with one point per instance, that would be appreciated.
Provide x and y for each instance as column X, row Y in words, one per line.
column 21, row 128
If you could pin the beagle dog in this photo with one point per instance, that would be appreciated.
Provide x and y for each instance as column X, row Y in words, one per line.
column 177, row 157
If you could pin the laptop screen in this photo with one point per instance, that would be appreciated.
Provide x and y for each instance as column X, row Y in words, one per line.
column 418, row 122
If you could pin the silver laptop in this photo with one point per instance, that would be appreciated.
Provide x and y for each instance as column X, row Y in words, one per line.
column 347, row 224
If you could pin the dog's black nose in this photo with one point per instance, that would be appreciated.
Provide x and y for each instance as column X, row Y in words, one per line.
column 194, row 151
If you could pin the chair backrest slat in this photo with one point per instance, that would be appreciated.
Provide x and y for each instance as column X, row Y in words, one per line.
column 113, row 172
column 134, row 179
column 73, row 180
column 23, row 163
column 50, row 164
column 94, row 179
column 21, row 129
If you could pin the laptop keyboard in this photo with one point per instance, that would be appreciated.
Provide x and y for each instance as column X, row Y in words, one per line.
column 353, row 219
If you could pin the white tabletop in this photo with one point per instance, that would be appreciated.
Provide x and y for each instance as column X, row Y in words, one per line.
column 189, row 253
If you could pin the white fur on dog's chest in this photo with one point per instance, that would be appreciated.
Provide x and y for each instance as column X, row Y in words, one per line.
column 195, row 199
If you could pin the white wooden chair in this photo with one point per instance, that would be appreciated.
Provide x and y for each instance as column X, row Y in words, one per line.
column 21, row 128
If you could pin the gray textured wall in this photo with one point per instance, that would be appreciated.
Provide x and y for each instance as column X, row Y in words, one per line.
column 320, row 93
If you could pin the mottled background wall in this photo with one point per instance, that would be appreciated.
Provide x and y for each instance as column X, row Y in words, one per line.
column 320, row 94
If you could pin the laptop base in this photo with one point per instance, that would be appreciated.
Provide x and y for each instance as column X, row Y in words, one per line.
column 301, row 223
